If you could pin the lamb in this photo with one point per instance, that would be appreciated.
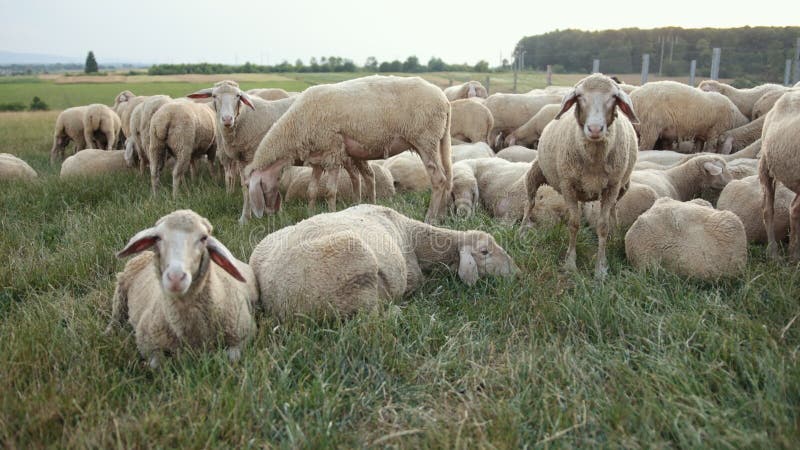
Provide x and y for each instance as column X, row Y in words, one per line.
column 361, row 119
column 173, row 296
column 511, row 111
column 636, row 200
column 14, row 168
column 93, row 162
column 687, row 180
column 268, row 94
column 408, row 172
column 470, row 89
column 528, row 134
column 297, row 179
column 743, row 198
column 780, row 153
column 471, row 151
column 471, row 121
column 362, row 256
column 518, row 153
column 101, row 126
column 187, row 131
column 691, row 239
column 139, row 138
column 674, row 111
column 744, row 99
column 69, row 127
column 587, row 156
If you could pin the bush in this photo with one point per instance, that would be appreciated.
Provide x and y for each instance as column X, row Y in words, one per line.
column 38, row 105
column 744, row 83
column 12, row 106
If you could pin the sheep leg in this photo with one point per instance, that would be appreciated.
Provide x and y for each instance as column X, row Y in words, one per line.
column 331, row 186
column 608, row 210
column 768, row 207
column 246, row 211
column 355, row 179
column 368, row 175
column 181, row 164
column 440, row 188
column 794, row 223
column 533, row 179
column 156, row 165
column 574, row 225
column 313, row 187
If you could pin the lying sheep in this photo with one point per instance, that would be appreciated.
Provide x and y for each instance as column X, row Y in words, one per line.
column 691, row 239
column 744, row 99
column 587, row 156
column 637, row 199
column 511, row 111
column 518, row 153
column 687, row 180
column 408, row 172
column 101, row 127
column 14, row 168
column 173, row 296
column 743, row 197
column 664, row 159
column 743, row 168
column 139, row 138
column 337, row 264
column 298, row 179
column 470, row 89
column 674, row 111
column 528, row 134
column 69, row 128
column 471, row 121
column 471, row 151
column 93, row 162
column 326, row 126
column 268, row 94
column 464, row 196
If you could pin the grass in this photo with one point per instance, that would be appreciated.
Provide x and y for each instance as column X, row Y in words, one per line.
column 644, row 360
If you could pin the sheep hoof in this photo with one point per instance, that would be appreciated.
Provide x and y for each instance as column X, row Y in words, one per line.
column 570, row 266
column 155, row 362
column 772, row 251
column 234, row 353
column 243, row 220
column 600, row 273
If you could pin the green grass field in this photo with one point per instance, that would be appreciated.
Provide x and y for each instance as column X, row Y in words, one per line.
column 644, row 360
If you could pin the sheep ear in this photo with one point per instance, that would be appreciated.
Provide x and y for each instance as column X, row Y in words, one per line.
column 567, row 102
column 142, row 241
column 467, row 267
column 727, row 146
column 202, row 93
column 244, row 98
column 626, row 106
column 712, row 168
column 223, row 257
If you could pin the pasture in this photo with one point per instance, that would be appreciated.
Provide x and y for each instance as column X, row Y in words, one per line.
column 643, row 360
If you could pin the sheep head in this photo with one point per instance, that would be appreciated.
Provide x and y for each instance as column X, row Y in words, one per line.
column 227, row 100
column 479, row 255
column 263, row 186
column 715, row 171
column 710, row 86
column 182, row 244
column 596, row 99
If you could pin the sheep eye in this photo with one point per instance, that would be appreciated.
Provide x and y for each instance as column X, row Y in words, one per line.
column 203, row 239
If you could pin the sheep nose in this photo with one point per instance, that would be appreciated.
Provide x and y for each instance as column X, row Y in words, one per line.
column 595, row 131
column 176, row 277
column 227, row 120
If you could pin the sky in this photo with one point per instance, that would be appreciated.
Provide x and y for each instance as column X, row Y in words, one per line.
column 268, row 32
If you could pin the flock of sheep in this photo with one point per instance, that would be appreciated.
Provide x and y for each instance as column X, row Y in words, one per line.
column 612, row 154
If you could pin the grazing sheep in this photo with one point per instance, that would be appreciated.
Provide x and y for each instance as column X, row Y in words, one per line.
column 528, row 134
column 511, row 111
column 471, row 121
column 743, row 197
column 464, row 196
column 744, row 99
column 337, row 264
column 470, row 89
column 673, row 111
column 408, row 172
column 764, row 104
column 14, row 168
column 69, row 127
column 691, row 239
column 173, row 296
column 637, row 199
column 780, row 155
column 93, row 162
column 738, row 138
column 361, row 119
column 124, row 104
column 471, row 151
column 687, row 180
column 518, row 153
column 139, row 137
column 101, row 126
column 184, row 130
column 298, row 179
column 587, row 156
column 268, row 94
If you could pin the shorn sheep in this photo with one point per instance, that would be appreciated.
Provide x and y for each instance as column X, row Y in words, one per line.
column 470, row 89
column 744, row 99
column 366, row 118
column 173, row 296
column 69, row 128
column 587, row 156
column 337, row 264
column 471, row 121
column 101, row 127
column 14, row 168
column 780, row 157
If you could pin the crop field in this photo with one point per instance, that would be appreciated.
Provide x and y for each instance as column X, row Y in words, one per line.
column 547, row 360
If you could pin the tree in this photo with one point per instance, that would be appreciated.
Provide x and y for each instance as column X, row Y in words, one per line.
column 436, row 65
column 91, row 63
column 38, row 105
column 412, row 64
column 482, row 66
column 371, row 64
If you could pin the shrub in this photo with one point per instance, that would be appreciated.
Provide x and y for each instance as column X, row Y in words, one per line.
column 16, row 106
column 38, row 105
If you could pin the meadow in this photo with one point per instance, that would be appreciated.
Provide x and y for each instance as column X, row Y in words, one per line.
column 548, row 360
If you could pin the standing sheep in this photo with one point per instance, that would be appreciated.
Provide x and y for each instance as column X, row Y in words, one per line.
column 511, row 111
column 173, row 296
column 69, row 127
column 587, row 156
column 528, row 134
column 298, row 179
column 361, row 119
column 139, row 138
column 101, row 126
column 471, row 121
column 739, row 138
column 470, row 89
column 744, row 99
column 124, row 104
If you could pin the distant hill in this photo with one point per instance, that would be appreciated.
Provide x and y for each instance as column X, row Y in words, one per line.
column 8, row 58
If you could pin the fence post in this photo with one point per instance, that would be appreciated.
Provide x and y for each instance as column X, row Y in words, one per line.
column 692, row 69
column 645, row 67
column 596, row 66
column 549, row 75
column 715, row 63
column 796, row 62
column 487, row 84
column 515, row 80
column 787, row 72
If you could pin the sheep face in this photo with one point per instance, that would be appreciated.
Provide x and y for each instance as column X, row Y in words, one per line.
column 717, row 175
column 596, row 99
column 263, row 187
column 183, row 246
column 710, row 86
column 227, row 100
column 480, row 255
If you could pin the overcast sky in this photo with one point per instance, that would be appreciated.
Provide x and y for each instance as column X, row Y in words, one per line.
column 235, row 31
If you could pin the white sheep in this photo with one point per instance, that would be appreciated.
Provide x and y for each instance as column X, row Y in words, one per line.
column 470, row 89
column 124, row 104
column 295, row 181
column 528, row 134
column 637, row 199
column 518, row 153
column 588, row 155
column 173, row 296
column 101, row 127
column 664, row 159
column 738, row 138
column 765, row 103
column 337, row 264
column 69, row 128
column 92, row 162
column 744, row 99
column 471, row 151
column 691, row 239
column 687, row 180
column 408, row 172
column 268, row 94
column 511, row 111
column 14, row 168
column 361, row 119
column 471, row 121
column 743, row 197
column 139, row 138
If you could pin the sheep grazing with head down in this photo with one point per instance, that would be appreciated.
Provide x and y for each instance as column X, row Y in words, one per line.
column 173, row 296
column 587, row 156
column 139, row 138
column 528, row 134
column 471, row 121
column 69, row 128
column 470, row 89
column 744, row 99
column 366, row 118
column 101, row 127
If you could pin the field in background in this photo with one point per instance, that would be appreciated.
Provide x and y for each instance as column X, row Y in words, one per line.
column 645, row 360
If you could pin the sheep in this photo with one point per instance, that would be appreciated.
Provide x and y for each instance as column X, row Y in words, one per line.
column 511, row 111
column 174, row 297
column 738, row 138
column 337, row 264
column 268, row 94
column 297, row 180
column 664, row 159
column 691, row 239
column 675, row 111
column 780, row 153
column 744, row 99
column 365, row 118
column 517, row 153
column 637, row 199
column 101, row 125
column 742, row 168
column 471, row 121
column 685, row 181
column 408, row 172
column 471, row 151
column 139, row 138
column 528, row 134
column 124, row 104
column 185, row 130
column 69, row 127
column 765, row 103
column 464, row 196
column 93, row 162
column 14, row 168
column 470, row 89
column 743, row 198
column 587, row 156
